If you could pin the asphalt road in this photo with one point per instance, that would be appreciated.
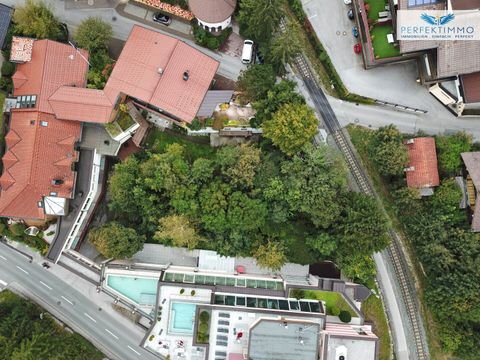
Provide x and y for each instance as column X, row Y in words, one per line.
column 65, row 302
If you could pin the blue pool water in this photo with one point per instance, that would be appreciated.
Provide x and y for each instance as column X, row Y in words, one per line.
column 182, row 317
column 141, row 290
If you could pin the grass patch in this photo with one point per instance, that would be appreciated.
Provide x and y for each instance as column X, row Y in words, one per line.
column 375, row 7
column 373, row 311
column 195, row 147
column 124, row 120
column 113, row 129
column 382, row 48
column 333, row 301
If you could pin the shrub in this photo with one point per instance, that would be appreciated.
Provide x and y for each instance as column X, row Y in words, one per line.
column 297, row 9
column 192, row 293
column 334, row 310
column 345, row 316
column 8, row 68
column 182, row 291
column 17, row 229
column 204, row 317
column 151, row 338
column 6, row 84
column 203, row 328
column 297, row 293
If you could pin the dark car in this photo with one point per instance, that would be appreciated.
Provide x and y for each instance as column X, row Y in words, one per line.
column 350, row 14
column 355, row 31
column 46, row 265
column 162, row 19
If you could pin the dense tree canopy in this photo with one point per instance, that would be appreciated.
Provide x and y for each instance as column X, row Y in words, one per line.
column 24, row 336
column 285, row 45
column 243, row 202
column 291, row 127
column 115, row 240
column 388, row 152
column 449, row 148
column 93, row 34
column 255, row 82
column 259, row 19
column 36, row 19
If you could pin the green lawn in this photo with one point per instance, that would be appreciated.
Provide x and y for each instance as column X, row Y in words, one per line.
column 373, row 311
column 375, row 7
column 195, row 146
column 332, row 300
column 382, row 48
column 124, row 120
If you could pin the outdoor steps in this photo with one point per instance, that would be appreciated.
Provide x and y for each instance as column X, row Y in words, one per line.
column 144, row 125
column 470, row 192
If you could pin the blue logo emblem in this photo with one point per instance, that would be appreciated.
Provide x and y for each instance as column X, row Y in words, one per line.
column 437, row 20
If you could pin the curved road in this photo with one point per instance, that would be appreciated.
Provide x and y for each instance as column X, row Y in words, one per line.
column 65, row 302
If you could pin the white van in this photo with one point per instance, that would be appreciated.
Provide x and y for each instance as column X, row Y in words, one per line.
column 247, row 52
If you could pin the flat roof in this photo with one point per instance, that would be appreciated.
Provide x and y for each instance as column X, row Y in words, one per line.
column 284, row 340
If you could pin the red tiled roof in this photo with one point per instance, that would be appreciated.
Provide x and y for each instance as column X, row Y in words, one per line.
column 145, row 55
column 40, row 147
column 212, row 11
column 423, row 159
column 81, row 104
column 471, row 87
column 53, row 64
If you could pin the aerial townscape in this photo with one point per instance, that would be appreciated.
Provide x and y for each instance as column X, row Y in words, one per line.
column 240, row 180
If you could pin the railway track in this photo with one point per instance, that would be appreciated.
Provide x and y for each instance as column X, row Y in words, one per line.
column 394, row 250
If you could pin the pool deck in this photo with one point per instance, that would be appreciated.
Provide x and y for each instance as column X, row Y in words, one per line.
column 163, row 341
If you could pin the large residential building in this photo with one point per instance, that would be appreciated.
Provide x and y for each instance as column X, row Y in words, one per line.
column 207, row 307
column 154, row 72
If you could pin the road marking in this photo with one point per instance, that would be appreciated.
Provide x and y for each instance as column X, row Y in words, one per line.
column 3, row 283
column 135, row 351
column 48, row 287
column 19, row 268
column 64, row 298
column 91, row 318
column 108, row 331
column 4, row 258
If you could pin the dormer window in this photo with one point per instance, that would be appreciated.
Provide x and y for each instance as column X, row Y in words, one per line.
column 26, row 101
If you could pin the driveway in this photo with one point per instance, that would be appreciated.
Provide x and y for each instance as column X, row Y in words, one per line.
column 391, row 83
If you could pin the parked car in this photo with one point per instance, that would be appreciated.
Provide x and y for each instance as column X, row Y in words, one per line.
column 355, row 31
column 350, row 14
column 347, row 2
column 46, row 265
column 162, row 18
column 247, row 52
column 357, row 48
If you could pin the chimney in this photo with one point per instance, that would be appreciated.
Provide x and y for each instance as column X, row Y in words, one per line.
column 185, row 75
column 160, row 71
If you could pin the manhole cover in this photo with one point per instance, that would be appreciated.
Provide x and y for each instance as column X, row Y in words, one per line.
column 344, row 33
column 338, row 32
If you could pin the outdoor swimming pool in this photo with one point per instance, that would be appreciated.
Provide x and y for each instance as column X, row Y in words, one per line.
column 182, row 317
column 141, row 290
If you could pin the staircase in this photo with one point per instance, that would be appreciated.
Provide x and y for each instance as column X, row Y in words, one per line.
column 144, row 125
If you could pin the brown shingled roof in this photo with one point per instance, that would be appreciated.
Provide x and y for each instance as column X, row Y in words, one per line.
column 212, row 11
column 471, row 87
column 423, row 161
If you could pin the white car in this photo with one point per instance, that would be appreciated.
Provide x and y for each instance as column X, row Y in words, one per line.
column 347, row 2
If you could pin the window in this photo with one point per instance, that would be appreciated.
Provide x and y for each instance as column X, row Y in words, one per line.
column 26, row 101
column 43, row 123
column 412, row 3
column 40, row 204
column 53, row 193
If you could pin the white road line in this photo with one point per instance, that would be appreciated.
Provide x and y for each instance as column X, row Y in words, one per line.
column 64, row 298
column 91, row 318
column 3, row 283
column 108, row 331
column 48, row 287
column 19, row 268
column 2, row 257
column 135, row 351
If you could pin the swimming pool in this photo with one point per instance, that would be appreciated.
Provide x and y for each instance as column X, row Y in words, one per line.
column 141, row 290
column 182, row 317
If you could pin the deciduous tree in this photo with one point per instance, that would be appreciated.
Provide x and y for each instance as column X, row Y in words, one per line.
column 255, row 82
column 259, row 19
column 36, row 19
column 286, row 45
column 93, row 34
column 388, row 151
column 116, row 241
column 449, row 149
column 179, row 230
column 270, row 255
column 291, row 127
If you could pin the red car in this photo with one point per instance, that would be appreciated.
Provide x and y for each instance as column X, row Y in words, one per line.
column 357, row 48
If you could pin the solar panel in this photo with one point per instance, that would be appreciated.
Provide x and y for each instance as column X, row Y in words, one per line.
column 223, row 322
column 222, row 337
column 222, row 330
column 220, row 353
column 224, row 315
column 222, row 343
